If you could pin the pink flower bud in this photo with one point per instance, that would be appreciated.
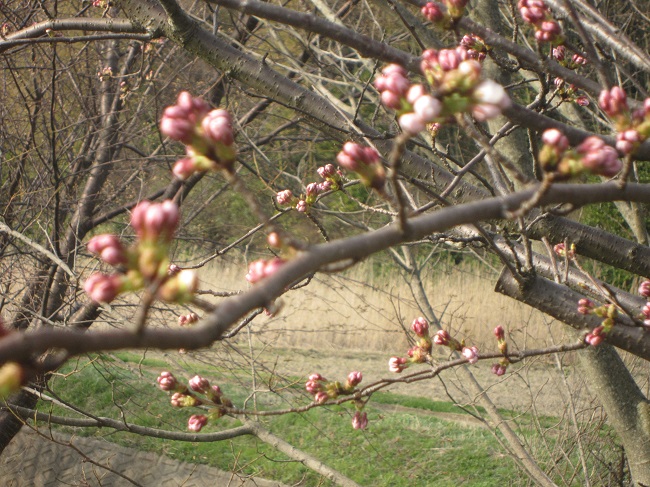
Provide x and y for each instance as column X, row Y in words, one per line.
column 312, row 190
column 578, row 59
column 397, row 364
column 411, row 123
column 427, row 108
column 166, row 381
column 321, row 397
column 432, row 12
column 498, row 369
column 354, row 378
column 627, row 141
column 583, row 101
column 555, row 138
column 499, row 333
column 644, row 289
column 441, row 338
column 184, row 168
column 360, row 421
column 559, row 53
column 217, row 126
column 302, row 206
column 471, row 354
column 109, row 248
column 598, row 157
column 313, row 386
column 646, row 310
column 593, row 340
column 284, row 197
column 199, row 384
column 327, row 171
column 154, row 221
column 102, row 288
column 172, row 270
column 188, row 319
column 613, row 101
column 585, row 306
column 197, row 422
column 448, row 59
column 317, row 377
column 420, row 326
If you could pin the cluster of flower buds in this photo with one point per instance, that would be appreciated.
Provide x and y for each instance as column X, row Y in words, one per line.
column 592, row 155
column 444, row 18
column 455, row 79
column 633, row 127
column 476, row 47
column 146, row 262
column 561, row 250
column 188, row 319
column 323, row 390
column 207, row 134
column 608, row 312
column 261, row 268
column 569, row 92
column 333, row 179
column 365, row 161
column 536, row 13
column 561, row 55
column 415, row 107
column 443, row 338
column 500, row 367
column 417, row 354
column 183, row 396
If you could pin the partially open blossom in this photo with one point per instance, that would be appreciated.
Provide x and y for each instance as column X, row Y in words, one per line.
column 420, row 326
column 354, row 378
column 397, row 364
column 644, row 289
column 199, row 384
column 360, row 420
column 559, row 53
column 109, row 248
column 155, row 221
column 471, row 354
column 103, row 288
column 197, row 422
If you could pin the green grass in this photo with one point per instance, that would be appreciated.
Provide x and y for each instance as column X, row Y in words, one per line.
column 398, row 448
